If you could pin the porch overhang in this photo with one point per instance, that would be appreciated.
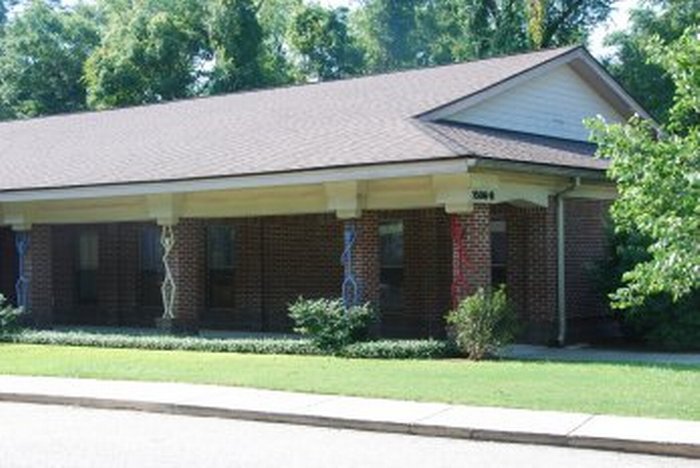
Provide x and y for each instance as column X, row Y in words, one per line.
column 454, row 183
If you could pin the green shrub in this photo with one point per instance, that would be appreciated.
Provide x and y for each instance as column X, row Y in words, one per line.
column 659, row 322
column 383, row 349
column 328, row 324
column 663, row 324
column 400, row 349
column 166, row 342
column 482, row 323
column 9, row 318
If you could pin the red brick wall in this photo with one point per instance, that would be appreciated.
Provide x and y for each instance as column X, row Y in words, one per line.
column 247, row 313
column 427, row 274
column 301, row 258
column 366, row 257
column 531, row 267
column 279, row 259
column 187, row 264
column 38, row 263
column 118, row 285
column 477, row 245
column 586, row 245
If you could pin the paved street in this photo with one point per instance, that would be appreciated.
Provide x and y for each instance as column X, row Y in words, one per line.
column 56, row 436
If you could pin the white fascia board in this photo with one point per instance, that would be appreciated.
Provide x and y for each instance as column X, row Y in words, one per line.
column 369, row 172
column 616, row 88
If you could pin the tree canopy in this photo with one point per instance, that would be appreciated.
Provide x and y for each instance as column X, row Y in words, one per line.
column 146, row 53
column 41, row 65
column 321, row 37
column 110, row 53
column 657, row 172
column 632, row 65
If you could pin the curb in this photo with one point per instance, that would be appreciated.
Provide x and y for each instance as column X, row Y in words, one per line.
column 569, row 440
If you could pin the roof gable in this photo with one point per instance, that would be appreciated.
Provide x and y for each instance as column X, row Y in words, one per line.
column 554, row 104
column 550, row 99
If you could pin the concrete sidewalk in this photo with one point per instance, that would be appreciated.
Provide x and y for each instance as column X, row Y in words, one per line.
column 583, row 353
column 640, row 435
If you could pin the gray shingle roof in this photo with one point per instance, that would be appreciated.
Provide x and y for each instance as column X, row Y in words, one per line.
column 350, row 122
column 506, row 145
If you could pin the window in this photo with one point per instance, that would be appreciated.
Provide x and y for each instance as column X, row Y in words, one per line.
column 150, row 266
column 220, row 266
column 499, row 252
column 391, row 265
column 87, row 265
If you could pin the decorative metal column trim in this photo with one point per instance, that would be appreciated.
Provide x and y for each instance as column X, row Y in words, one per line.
column 22, row 284
column 350, row 290
column 460, row 260
column 168, row 288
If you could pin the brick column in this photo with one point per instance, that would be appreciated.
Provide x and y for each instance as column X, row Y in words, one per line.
column 38, row 266
column 366, row 258
column 541, row 272
column 474, row 263
column 187, row 262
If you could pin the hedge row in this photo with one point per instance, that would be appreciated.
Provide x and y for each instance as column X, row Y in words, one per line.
column 401, row 349
column 384, row 349
column 165, row 342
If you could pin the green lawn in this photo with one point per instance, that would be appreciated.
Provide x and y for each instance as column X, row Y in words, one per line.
column 665, row 392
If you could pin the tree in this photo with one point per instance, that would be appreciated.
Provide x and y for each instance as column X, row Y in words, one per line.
column 149, row 52
column 398, row 34
column 387, row 31
column 275, row 17
column 43, row 49
column 236, row 38
column 658, row 179
column 568, row 21
column 457, row 30
column 320, row 36
column 646, row 80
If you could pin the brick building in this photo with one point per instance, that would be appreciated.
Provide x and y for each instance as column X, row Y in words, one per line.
column 408, row 190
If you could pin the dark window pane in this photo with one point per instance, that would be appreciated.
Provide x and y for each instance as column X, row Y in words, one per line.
column 390, row 291
column 220, row 266
column 151, row 250
column 391, row 243
column 150, row 288
column 87, row 286
column 499, row 253
column 221, row 290
column 88, row 251
column 87, row 265
column 220, row 247
column 498, row 276
column 391, row 265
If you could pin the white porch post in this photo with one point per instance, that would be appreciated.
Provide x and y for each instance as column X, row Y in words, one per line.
column 168, row 288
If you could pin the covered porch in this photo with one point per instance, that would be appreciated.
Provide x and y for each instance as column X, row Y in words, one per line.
column 233, row 258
